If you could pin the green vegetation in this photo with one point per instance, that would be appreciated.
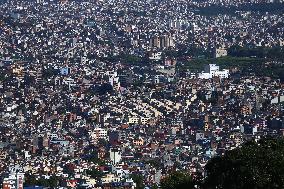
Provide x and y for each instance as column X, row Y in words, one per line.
column 154, row 162
column 188, row 51
column 223, row 62
column 2, row 77
column 97, row 161
column 49, row 72
column 247, row 60
column 177, row 180
column 31, row 180
column 126, row 58
column 138, row 179
column 246, row 65
column 274, row 53
column 93, row 157
column 252, row 166
column 95, row 173
column 255, row 165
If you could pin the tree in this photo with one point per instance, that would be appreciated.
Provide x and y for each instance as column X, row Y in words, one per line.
column 31, row 180
column 95, row 173
column 102, row 142
column 49, row 72
column 177, row 180
column 154, row 186
column 53, row 181
column 138, row 179
column 254, row 165
column 93, row 157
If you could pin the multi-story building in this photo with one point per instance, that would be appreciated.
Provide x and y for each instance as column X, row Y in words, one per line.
column 14, row 181
column 220, row 52
column 212, row 70
column 98, row 133
column 115, row 155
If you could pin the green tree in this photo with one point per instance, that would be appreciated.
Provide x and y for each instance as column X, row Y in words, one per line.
column 97, row 160
column 254, row 165
column 30, row 180
column 154, row 186
column 95, row 173
column 102, row 142
column 2, row 77
column 177, row 180
column 53, row 181
column 138, row 179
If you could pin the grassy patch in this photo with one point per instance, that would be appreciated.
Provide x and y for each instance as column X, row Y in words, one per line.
column 246, row 65
column 223, row 62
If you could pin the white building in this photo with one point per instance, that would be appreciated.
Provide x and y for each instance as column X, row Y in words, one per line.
column 155, row 55
column 133, row 120
column 212, row 70
column 109, row 178
column 99, row 133
column 277, row 100
column 115, row 155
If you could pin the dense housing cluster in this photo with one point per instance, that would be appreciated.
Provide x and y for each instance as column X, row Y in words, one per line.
column 88, row 97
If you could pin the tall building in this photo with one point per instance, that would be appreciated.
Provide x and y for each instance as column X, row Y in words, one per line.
column 163, row 41
column 115, row 155
column 157, row 42
column 178, row 24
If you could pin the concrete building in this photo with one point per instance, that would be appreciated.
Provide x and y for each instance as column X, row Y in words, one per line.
column 212, row 70
column 99, row 133
column 14, row 181
column 220, row 52
column 115, row 155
